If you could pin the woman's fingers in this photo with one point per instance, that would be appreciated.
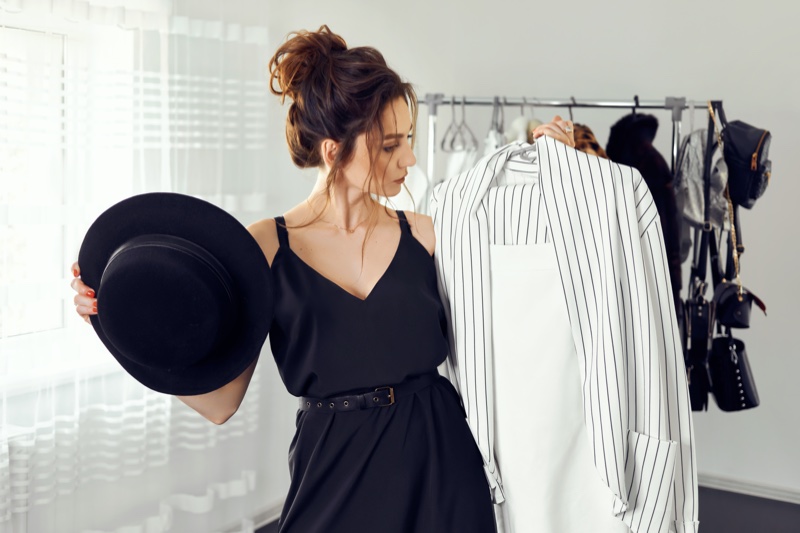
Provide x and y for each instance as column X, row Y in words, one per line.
column 552, row 130
column 559, row 129
column 85, row 301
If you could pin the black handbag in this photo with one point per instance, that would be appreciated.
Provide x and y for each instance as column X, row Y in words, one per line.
column 733, row 303
column 731, row 378
column 699, row 322
column 746, row 151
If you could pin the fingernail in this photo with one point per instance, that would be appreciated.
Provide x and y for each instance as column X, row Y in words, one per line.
column 74, row 272
column 94, row 310
column 90, row 293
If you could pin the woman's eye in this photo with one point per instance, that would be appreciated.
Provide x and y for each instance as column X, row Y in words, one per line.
column 390, row 149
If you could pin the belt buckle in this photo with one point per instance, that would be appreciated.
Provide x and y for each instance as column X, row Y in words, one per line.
column 391, row 395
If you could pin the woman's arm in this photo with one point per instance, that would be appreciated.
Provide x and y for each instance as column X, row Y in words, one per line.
column 219, row 405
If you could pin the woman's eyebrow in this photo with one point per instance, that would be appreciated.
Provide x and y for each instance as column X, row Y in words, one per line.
column 397, row 135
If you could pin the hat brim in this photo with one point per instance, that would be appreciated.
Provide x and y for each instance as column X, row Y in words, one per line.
column 220, row 234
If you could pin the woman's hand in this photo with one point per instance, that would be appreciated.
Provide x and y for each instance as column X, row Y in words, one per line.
column 85, row 301
column 559, row 129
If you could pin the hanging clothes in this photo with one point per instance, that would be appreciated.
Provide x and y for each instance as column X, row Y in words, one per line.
column 461, row 146
column 521, row 129
column 689, row 195
column 631, row 143
column 460, row 161
column 585, row 141
column 549, row 479
column 547, row 459
column 608, row 246
column 495, row 138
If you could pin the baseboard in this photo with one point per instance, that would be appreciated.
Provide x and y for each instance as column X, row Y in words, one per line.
column 750, row 488
column 269, row 513
column 265, row 515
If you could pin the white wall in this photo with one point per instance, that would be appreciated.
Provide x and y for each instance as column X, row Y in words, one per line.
column 743, row 53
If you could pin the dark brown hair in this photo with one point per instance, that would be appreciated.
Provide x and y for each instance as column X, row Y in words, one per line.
column 337, row 93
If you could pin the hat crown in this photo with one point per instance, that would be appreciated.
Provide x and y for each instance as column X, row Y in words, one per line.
column 172, row 289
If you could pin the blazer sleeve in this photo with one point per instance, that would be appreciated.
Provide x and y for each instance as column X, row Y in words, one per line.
column 461, row 259
column 664, row 341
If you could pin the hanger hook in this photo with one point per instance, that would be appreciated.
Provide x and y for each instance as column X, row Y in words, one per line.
column 635, row 103
column 451, row 129
column 571, row 118
column 472, row 141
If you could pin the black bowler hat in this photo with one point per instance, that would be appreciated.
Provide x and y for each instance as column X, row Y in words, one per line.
column 184, row 291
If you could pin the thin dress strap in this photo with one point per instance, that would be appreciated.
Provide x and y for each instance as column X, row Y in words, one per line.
column 403, row 221
column 283, row 234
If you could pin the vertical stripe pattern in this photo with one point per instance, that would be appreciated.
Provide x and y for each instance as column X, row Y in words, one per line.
column 610, row 252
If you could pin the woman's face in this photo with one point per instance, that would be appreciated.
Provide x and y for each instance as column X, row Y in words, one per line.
column 393, row 158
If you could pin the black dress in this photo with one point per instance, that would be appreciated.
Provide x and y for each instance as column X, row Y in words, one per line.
column 408, row 467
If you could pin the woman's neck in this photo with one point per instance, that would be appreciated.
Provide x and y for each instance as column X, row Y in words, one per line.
column 349, row 207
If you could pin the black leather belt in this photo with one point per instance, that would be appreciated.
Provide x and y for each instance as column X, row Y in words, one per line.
column 378, row 397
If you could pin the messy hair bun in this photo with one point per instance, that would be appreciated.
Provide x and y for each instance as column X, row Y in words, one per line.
column 301, row 57
column 337, row 93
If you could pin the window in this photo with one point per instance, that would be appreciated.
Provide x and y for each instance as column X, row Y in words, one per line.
column 31, row 173
column 91, row 114
column 66, row 136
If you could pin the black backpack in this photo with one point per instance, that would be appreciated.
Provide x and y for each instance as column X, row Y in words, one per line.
column 745, row 149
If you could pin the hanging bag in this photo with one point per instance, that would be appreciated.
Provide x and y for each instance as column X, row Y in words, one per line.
column 732, row 382
column 699, row 325
column 732, row 302
column 699, row 311
column 731, row 378
column 746, row 154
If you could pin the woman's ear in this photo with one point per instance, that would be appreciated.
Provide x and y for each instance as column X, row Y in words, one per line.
column 328, row 150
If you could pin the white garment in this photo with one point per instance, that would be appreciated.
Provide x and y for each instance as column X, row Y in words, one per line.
column 520, row 129
column 542, row 447
column 459, row 162
column 614, row 279
column 494, row 140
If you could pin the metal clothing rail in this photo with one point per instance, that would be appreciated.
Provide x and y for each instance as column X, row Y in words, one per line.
column 676, row 104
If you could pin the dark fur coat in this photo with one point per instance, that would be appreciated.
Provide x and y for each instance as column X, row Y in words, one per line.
column 631, row 143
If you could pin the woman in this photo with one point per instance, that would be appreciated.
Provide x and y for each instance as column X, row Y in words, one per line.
column 381, row 440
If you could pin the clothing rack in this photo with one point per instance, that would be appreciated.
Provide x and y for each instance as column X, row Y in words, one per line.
column 676, row 104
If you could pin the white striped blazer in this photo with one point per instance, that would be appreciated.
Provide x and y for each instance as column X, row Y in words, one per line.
column 610, row 251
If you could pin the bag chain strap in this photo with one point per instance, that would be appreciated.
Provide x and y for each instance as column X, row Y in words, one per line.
column 734, row 251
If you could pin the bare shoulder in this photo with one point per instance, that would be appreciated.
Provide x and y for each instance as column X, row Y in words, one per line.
column 265, row 234
column 422, row 229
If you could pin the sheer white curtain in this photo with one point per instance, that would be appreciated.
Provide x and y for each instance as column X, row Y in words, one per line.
column 101, row 100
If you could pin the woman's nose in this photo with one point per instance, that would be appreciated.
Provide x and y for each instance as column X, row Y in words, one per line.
column 408, row 159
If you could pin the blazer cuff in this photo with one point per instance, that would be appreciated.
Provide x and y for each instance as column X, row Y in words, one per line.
column 687, row 527
column 495, row 485
column 649, row 476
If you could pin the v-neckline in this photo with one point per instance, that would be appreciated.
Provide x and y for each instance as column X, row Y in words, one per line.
column 342, row 289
